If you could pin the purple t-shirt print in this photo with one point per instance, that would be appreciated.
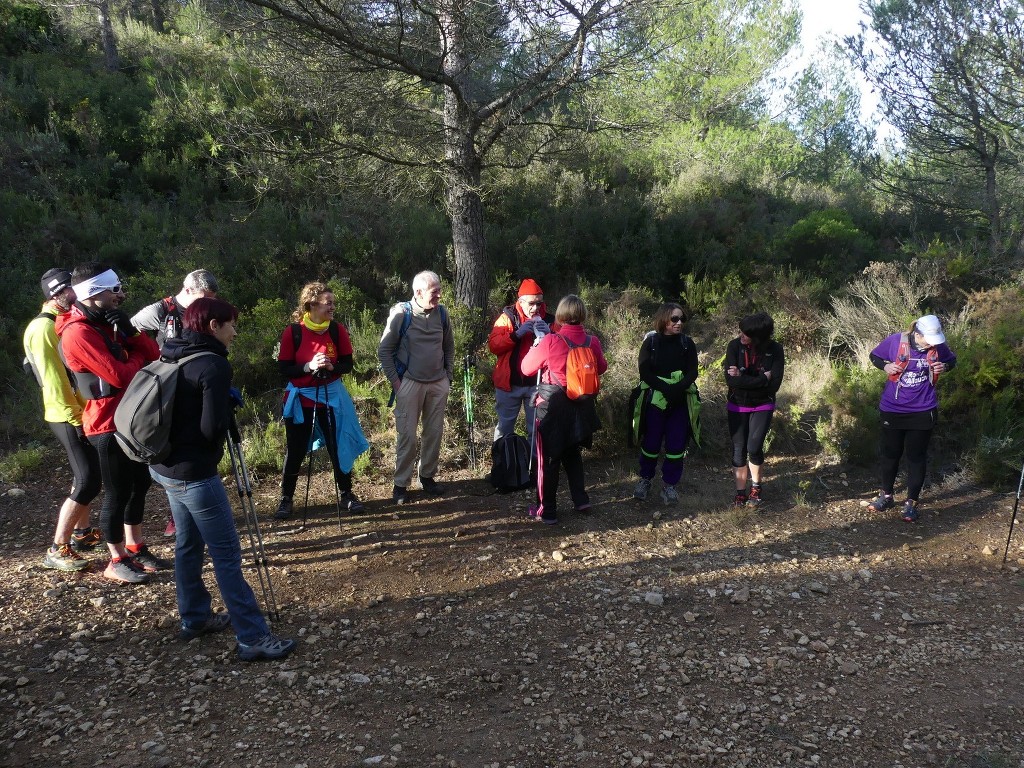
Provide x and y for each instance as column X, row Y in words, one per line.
column 912, row 393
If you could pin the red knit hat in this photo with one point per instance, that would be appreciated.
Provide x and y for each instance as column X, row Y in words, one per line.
column 529, row 287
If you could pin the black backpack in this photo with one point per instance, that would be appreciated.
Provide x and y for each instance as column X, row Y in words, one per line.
column 510, row 463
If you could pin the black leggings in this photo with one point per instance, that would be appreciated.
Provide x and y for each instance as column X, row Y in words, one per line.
column 297, row 445
column 912, row 442
column 85, row 464
column 749, row 431
column 125, row 483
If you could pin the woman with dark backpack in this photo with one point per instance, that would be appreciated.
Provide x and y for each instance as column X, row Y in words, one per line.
column 909, row 406
column 566, row 419
column 315, row 352
column 754, row 365
column 668, row 370
column 198, row 500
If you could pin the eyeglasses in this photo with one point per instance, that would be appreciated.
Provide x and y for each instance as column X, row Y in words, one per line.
column 676, row 319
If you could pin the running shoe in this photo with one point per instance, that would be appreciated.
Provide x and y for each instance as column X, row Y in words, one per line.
column 882, row 503
column 61, row 557
column 87, row 540
column 669, row 495
column 126, row 570
column 643, row 487
column 910, row 511
column 754, row 497
column 150, row 562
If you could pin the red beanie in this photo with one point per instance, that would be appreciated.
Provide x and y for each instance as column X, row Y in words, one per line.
column 529, row 287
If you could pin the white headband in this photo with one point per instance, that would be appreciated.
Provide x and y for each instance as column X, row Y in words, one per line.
column 105, row 281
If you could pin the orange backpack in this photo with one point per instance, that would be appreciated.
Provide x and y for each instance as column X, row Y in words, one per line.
column 903, row 358
column 582, row 381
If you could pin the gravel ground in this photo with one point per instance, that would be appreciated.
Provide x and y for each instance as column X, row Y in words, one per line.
column 454, row 632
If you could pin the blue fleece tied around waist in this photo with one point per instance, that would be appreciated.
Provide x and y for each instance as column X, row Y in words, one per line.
column 348, row 434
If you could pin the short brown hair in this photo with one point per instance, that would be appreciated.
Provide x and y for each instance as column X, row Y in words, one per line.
column 571, row 311
column 664, row 314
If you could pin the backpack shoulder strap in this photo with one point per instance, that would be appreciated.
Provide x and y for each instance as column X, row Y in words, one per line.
column 296, row 336
column 407, row 319
column 513, row 317
column 332, row 329
column 48, row 315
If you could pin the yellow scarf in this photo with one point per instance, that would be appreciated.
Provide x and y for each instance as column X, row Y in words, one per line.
column 315, row 327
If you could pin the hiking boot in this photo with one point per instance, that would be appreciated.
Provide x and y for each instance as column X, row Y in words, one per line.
column 643, row 487
column 910, row 511
column 217, row 622
column 431, row 487
column 170, row 531
column 61, row 557
column 267, row 647
column 351, row 503
column 284, row 508
column 149, row 562
column 754, row 497
column 669, row 495
column 399, row 495
column 740, row 499
column 125, row 569
column 87, row 540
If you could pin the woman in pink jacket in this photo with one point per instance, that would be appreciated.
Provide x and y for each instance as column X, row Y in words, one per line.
column 564, row 425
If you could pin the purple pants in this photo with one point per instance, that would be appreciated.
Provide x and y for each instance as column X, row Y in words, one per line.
column 671, row 427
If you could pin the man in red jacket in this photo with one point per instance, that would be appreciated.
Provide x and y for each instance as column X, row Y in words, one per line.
column 104, row 352
column 517, row 328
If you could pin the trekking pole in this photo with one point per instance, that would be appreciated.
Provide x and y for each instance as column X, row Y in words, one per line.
column 533, row 432
column 1014, row 517
column 252, row 523
column 467, row 385
column 331, row 443
column 312, row 455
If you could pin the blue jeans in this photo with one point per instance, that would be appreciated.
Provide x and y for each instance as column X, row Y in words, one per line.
column 202, row 517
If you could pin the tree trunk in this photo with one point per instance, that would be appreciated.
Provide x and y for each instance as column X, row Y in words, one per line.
column 462, row 167
column 107, row 36
column 158, row 15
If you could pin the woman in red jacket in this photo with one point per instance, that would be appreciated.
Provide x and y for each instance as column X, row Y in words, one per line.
column 564, row 426
column 314, row 367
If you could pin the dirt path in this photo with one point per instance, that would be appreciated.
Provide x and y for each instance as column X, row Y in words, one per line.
column 454, row 632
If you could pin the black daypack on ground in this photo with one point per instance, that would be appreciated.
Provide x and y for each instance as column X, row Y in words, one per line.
column 510, row 463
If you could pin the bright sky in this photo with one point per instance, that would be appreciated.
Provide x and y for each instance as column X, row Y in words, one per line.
column 835, row 19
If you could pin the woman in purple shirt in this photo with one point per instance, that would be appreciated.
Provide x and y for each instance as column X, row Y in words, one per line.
column 910, row 406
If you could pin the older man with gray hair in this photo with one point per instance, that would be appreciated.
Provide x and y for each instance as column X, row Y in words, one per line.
column 162, row 319
column 417, row 353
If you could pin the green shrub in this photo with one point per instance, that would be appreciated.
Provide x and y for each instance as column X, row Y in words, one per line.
column 848, row 431
column 18, row 464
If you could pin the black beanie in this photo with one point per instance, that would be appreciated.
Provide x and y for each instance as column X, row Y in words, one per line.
column 54, row 281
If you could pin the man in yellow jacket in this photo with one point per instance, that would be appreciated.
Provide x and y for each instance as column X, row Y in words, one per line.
column 62, row 411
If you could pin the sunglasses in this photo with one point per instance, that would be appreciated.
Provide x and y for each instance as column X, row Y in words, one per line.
column 115, row 289
column 676, row 319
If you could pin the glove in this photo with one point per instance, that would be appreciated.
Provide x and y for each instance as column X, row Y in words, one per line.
column 675, row 394
column 524, row 329
column 121, row 321
column 236, row 397
column 540, row 328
